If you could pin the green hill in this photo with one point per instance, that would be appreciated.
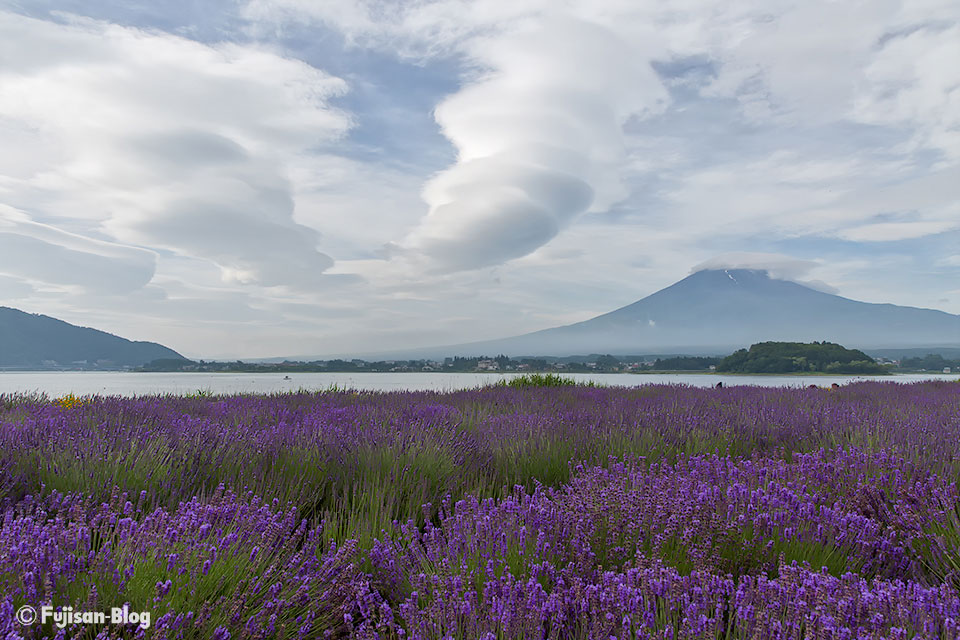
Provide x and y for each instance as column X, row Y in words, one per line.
column 33, row 341
column 800, row 357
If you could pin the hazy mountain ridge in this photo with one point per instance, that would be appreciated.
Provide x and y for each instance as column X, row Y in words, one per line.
column 711, row 312
column 34, row 341
column 717, row 311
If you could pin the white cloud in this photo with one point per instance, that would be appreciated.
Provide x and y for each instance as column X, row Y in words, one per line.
column 14, row 288
column 891, row 231
column 166, row 143
column 776, row 265
column 602, row 147
column 792, row 62
column 46, row 254
column 538, row 124
column 913, row 82
column 528, row 118
column 539, row 138
column 410, row 29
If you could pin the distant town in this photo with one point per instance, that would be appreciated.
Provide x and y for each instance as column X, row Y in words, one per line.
column 501, row 363
column 761, row 358
column 594, row 363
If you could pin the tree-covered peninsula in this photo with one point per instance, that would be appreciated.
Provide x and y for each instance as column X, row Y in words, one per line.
column 800, row 357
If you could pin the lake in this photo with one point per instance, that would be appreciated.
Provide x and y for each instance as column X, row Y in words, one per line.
column 131, row 384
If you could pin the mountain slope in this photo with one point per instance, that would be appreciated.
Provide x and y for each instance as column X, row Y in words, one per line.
column 35, row 341
column 720, row 310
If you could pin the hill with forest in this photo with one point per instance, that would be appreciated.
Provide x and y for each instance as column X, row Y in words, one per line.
column 31, row 341
column 799, row 357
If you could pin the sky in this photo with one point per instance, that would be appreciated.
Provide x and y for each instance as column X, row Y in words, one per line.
column 290, row 177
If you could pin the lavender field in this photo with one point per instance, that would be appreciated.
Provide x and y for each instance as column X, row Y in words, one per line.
column 528, row 512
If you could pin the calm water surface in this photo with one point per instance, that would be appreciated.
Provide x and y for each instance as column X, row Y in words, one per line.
column 130, row 384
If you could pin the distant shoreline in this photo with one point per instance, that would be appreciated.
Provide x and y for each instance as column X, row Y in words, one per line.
column 499, row 373
column 792, row 374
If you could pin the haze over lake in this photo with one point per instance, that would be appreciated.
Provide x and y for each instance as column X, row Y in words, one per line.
column 131, row 384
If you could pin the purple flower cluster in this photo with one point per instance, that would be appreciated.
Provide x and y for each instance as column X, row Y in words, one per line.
column 565, row 512
column 223, row 562
column 635, row 550
column 655, row 601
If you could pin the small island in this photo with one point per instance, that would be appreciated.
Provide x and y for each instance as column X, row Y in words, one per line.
column 800, row 357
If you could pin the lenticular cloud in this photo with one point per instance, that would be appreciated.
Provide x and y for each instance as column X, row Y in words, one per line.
column 539, row 141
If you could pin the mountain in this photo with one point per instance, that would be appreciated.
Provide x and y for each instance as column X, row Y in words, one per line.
column 33, row 341
column 717, row 311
